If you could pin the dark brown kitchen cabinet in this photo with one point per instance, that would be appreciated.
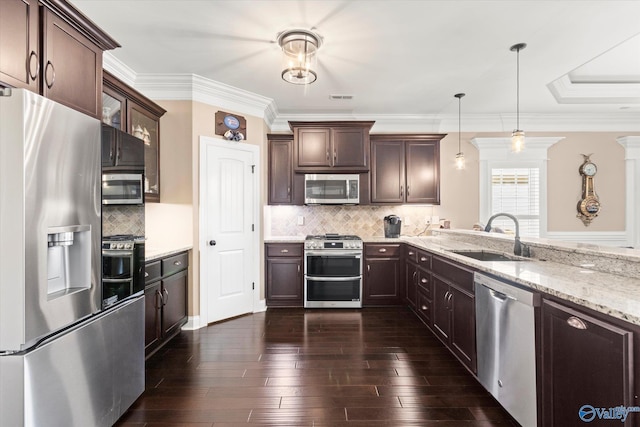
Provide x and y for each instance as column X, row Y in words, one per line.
column 454, row 309
column 410, row 283
column 285, row 187
column 127, row 109
column 382, row 274
column 121, row 150
column 331, row 146
column 50, row 48
column 284, row 271
column 405, row 169
column 19, row 52
column 166, row 282
column 585, row 361
column 418, row 292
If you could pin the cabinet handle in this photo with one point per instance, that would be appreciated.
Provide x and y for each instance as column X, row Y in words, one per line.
column 413, row 277
column 288, row 191
column 383, row 250
column 158, row 294
column 335, row 156
column 298, row 269
column 53, row 75
column 327, row 155
column 449, row 298
column 284, row 251
column 32, row 55
column 166, row 292
column 401, row 191
column 119, row 155
column 574, row 322
column 368, row 268
column 407, row 191
column 111, row 154
column 177, row 263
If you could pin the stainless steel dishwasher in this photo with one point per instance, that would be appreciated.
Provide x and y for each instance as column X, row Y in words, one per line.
column 505, row 333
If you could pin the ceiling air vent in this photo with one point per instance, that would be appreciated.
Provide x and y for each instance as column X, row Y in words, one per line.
column 340, row 97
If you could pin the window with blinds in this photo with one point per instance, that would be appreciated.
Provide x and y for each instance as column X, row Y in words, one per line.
column 516, row 191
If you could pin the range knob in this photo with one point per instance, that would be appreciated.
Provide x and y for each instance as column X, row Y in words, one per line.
column 120, row 245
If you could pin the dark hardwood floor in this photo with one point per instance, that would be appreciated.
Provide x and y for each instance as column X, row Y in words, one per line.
column 291, row 367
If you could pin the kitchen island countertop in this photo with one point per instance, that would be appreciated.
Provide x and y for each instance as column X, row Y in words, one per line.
column 153, row 253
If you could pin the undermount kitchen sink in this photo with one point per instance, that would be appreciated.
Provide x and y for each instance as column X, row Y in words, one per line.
column 488, row 256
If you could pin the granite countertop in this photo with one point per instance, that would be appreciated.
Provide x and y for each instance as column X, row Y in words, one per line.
column 611, row 294
column 153, row 253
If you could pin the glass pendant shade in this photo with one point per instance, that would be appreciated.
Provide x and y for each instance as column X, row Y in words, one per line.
column 299, row 56
column 460, row 162
column 517, row 141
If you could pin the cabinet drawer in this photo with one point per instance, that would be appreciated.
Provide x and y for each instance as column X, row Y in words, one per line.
column 174, row 264
column 424, row 260
column 152, row 271
column 424, row 281
column 411, row 254
column 284, row 249
column 454, row 274
column 382, row 250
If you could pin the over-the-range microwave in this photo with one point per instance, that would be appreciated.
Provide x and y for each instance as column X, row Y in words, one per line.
column 332, row 189
column 122, row 189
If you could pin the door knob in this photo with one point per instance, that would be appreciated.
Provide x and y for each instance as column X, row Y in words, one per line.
column 212, row 242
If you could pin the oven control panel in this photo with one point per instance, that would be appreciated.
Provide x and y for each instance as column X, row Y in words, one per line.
column 324, row 244
column 127, row 246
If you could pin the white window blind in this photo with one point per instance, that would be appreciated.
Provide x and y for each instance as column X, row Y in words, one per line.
column 516, row 191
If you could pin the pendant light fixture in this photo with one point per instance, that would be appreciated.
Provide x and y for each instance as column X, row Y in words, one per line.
column 517, row 137
column 299, row 50
column 460, row 162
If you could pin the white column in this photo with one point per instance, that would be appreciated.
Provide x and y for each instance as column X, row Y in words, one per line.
column 631, row 145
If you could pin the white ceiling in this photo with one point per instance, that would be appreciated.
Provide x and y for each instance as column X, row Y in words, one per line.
column 406, row 58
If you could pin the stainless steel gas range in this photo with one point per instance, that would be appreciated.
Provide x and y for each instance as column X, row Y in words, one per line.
column 333, row 271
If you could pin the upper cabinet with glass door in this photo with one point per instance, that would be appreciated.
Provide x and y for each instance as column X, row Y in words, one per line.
column 126, row 109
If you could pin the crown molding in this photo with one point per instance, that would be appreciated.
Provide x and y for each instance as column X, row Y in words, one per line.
column 566, row 91
column 118, row 69
column 196, row 88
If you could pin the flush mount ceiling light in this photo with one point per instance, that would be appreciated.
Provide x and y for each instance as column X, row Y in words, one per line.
column 299, row 50
column 460, row 162
column 517, row 137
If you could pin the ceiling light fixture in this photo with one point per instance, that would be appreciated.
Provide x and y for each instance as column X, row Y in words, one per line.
column 299, row 49
column 517, row 137
column 460, row 162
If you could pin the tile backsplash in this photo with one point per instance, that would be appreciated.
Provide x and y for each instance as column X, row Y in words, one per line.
column 123, row 220
column 364, row 221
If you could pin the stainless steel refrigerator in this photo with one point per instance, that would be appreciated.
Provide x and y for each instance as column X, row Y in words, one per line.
column 63, row 361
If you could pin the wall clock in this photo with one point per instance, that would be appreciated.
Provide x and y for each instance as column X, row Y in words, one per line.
column 589, row 205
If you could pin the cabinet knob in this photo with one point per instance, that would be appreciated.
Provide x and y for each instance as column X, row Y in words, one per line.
column 411, row 252
column 574, row 322
column 212, row 242
column 146, row 274
column 424, row 280
column 284, row 251
column 423, row 259
column 177, row 263
column 424, row 307
column 383, row 250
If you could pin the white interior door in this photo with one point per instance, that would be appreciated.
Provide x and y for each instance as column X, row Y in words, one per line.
column 227, row 255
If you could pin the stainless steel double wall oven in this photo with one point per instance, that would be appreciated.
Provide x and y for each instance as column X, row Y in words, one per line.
column 333, row 271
